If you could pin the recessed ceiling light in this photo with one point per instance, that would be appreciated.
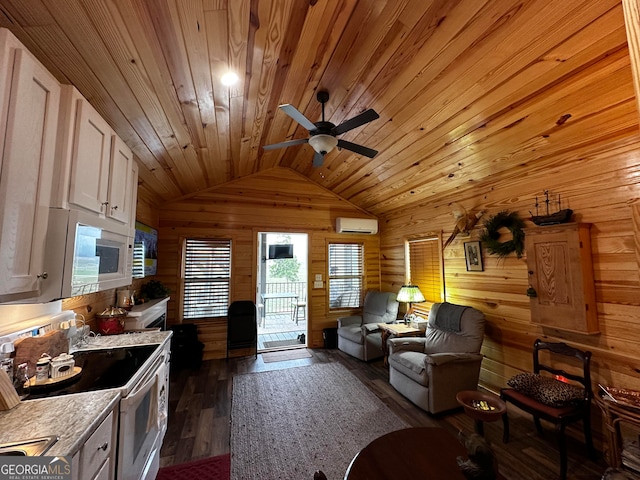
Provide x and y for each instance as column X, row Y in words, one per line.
column 229, row 78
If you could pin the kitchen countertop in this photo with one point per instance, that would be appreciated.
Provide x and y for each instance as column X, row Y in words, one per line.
column 74, row 417
column 125, row 340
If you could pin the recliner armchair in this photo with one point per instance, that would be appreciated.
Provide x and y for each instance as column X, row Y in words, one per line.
column 430, row 371
column 359, row 335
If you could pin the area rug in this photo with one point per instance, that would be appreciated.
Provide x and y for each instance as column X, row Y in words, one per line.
column 281, row 343
column 283, row 355
column 213, row 468
column 290, row 423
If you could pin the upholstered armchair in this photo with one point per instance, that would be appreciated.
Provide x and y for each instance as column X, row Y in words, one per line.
column 430, row 371
column 359, row 335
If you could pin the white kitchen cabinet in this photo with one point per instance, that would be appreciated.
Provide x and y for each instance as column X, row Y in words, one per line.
column 29, row 103
column 90, row 159
column 120, row 182
column 95, row 460
column 132, row 200
column 93, row 164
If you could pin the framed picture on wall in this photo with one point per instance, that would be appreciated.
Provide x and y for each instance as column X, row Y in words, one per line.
column 473, row 256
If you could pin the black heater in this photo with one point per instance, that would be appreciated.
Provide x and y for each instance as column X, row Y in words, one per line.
column 242, row 328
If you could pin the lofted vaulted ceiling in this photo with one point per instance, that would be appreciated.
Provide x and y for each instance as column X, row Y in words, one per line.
column 465, row 89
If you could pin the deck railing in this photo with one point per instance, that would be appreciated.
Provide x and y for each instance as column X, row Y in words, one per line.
column 277, row 305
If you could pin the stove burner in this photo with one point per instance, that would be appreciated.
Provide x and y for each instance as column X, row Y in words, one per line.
column 101, row 369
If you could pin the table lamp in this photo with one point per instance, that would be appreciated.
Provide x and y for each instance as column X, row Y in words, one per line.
column 409, row 294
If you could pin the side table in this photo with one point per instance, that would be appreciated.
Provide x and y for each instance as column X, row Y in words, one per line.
column 397, row 330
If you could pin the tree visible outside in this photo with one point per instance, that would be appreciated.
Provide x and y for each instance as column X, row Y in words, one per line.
column 285, row 268
column 288, row 268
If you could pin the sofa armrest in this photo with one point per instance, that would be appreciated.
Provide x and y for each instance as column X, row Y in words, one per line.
column 352, row 320
column 409, row 344
column 437, row 359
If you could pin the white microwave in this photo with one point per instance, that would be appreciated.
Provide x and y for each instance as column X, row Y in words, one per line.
column 84, row 254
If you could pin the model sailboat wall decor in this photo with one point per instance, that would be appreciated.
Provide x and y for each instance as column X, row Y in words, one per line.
column 560, row 216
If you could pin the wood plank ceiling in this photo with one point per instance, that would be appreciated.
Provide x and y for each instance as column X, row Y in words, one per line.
column 465, row 89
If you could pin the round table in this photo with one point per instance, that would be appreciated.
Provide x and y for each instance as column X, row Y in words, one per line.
column 428, row 453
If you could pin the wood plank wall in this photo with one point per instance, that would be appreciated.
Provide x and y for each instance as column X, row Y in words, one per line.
column 278, row 200
column 602, row 186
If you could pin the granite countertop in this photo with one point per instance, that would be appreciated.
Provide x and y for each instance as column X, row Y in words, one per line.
column 74, row 417
column 125, row 340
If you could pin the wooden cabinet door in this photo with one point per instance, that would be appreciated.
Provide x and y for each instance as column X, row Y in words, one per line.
column 120, row 181
column 26, row 173
column 561, row 273
column 90, row 160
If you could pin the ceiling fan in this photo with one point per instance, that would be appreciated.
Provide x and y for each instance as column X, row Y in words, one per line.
column 323, row 134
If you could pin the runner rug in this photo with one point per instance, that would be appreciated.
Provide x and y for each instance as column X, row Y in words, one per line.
column 213, row 468
column 290, row 423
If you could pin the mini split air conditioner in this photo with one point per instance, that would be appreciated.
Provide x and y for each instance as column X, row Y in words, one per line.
column 357, row 225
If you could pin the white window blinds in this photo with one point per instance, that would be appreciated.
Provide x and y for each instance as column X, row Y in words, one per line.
column 207, row 278
column 346, row 274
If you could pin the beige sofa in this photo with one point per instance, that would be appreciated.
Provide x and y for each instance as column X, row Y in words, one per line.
column 359, row 335
column 430, row 371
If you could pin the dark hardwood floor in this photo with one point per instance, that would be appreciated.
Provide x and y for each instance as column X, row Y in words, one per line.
column 200, row 405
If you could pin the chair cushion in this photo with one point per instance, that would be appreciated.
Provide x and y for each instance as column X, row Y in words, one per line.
column 379, row 307
column 548, row 391
column 467, row 340
column 352, row 332
column 531, row 404
column 411, row 364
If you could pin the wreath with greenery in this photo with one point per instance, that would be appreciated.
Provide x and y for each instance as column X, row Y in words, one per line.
column 491, row 234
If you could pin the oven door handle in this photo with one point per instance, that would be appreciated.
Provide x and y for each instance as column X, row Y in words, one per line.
column 147, row 381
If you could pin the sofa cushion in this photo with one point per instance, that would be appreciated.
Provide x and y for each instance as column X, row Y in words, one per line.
column 411, row 364
column 546, row 390
column 352, row 333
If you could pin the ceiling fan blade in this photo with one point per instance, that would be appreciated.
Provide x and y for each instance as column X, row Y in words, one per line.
column 354, row 147
column 286, row 144
column 318, row 158
column 364, row 117
column 297, row 116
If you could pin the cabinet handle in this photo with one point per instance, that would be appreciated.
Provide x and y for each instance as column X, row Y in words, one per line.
column 115, row 207
column 44, row 275
column 103, row 447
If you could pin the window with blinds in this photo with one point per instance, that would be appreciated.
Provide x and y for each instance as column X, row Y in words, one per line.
column 424, row 269
column 346, row 274
column 207, row 278
column 137, row 268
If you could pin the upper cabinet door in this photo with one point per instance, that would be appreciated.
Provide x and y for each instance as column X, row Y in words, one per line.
column 90, row 160
column 561, row 273
column 29, row 128
column 120, row 181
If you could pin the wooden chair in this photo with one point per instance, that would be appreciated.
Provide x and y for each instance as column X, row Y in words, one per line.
column 559, row 416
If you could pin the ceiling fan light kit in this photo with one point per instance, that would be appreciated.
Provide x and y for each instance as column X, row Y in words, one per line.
column 323, row 143
column 323, row 134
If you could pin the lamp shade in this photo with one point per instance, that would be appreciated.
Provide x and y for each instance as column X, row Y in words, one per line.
column 410, row 294
column 323, row 143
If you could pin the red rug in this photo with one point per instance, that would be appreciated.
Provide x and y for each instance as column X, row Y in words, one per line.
column 214, row 468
